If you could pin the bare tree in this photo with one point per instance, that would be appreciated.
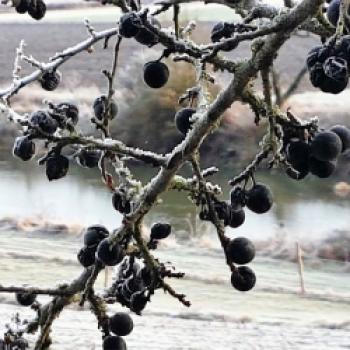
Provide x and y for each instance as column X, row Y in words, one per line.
column 297, row 146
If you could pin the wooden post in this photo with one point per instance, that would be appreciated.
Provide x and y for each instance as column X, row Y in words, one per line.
column 300, row 268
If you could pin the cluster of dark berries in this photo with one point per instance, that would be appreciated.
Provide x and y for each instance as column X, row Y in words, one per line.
column 133, row 282
column 317, row 156
column 241, row 251
column 258, row 199
column 131, row 285
column 328, row 65
column 35, row 8
column 98, row 248
column 131, row 26
column 63, row 116
column 155, row 73
column 121, row 325
column 120, row 202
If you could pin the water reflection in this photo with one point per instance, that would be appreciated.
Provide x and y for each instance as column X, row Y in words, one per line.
column 307, row 210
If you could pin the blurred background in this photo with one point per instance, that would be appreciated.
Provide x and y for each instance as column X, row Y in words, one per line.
column 41, row 222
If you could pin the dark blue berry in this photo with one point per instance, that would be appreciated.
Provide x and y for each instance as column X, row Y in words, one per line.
column 24, row 148
column 121, row 324
column 240, row 251
column 155, row 74
column 243, row 278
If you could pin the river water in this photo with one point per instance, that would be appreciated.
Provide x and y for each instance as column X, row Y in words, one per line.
column 272, row 316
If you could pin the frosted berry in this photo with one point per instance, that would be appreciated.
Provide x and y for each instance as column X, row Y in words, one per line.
column 70, row 110
column 25, row 299
column 108, row 254
column 259, row 199
column 155, row 74
column 88, row 158
column 183, row 119
column 320, row 168
column 50, row 80
column 86, row 256
column 44, row 122
column 37, row 9
column 243, row 278
column 237, row 217
column 240, row 251
column 145, row 36
column 326, row 146
column 94, row 235
column 100, row 108
column 24, row 148
column 121, row 324
column 160, row 230
column 222, row 30
column 56, row 167
column 129, row 25
column 344, row 134
column 22, row 6
column 113, row 342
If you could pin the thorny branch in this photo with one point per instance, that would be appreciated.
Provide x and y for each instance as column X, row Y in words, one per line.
column 282, row 25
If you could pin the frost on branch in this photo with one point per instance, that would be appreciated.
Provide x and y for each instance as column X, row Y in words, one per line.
column 300, row 148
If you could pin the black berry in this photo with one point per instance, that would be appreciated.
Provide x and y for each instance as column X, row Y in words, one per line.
column 145, row 36
column 155, row 74
column 120, row 203
column 86, row 256
column 259, row 199
column 243, row 278
column 333, row 12
column 344, row 134
column 240, row 251
column 129, row 25
column 24, row 148
column 88, row 158
column 160, row 230
column 108, row 254
column 22, row 6
column 100, row 108
column 37, row 9
column 298, row 153
column 43, row 122
column 94, row 235
column 326, row 146
column 112, row 342
column 56, row 167
column 138, row 302
column 25, row 299
column 183, row 120
column 237, row 217
column 50, row 80
column 121, row 324
column 320, row 168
